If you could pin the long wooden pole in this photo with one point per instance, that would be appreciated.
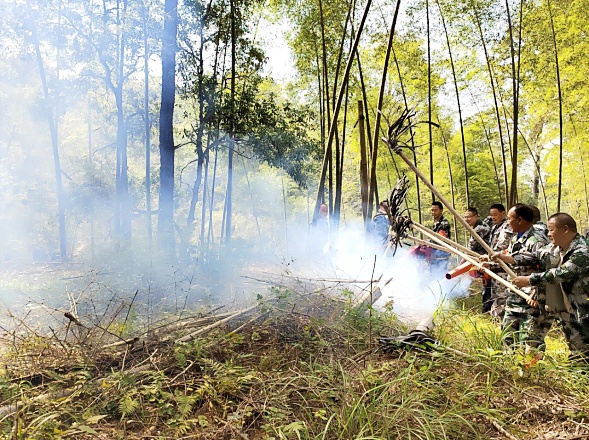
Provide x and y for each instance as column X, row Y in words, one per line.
column 477, row 264
column 458, row 217
column 420, row 228
column 429, row 244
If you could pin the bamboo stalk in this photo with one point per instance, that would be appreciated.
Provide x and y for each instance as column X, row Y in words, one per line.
column 478, row 265
column 458, row 217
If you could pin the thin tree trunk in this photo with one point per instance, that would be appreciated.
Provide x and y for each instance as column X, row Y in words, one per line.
column 340, row 148
column 581, row 152
column 205, row 189
column 91, row 210
column 560, row 117
column 363, row 166
column 285, row 216
column 333, row 126
column 326, row 100
column 497, row 113
column 451, row 177
column 339, row 170
column 229, row 191
column 466, row 177
column 418, row 193
column 536, row 160
column 147, row 127
column 210, row 230
column 375, row 137
column 515, row 85
column 167, row 148
column 429, row 100
column 122, row 170
column 365, row 103
column 55, row 146
column 201, row 127
column 321, row 108
column 584, row 182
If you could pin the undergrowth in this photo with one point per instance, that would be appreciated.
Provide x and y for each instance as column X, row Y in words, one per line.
column 300, row 366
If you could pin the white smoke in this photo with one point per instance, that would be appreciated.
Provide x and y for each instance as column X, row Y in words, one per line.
column 410, row 287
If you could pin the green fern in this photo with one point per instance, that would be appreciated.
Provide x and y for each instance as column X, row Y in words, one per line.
column 128, row 406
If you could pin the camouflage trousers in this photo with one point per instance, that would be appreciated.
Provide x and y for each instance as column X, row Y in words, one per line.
column 578, row 336
column 520, row 329
column 530, row 330
column 498, row 298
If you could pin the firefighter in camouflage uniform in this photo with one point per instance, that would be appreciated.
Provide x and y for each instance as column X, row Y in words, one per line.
column 565, row 272
column 522, row 318
column 500, row 235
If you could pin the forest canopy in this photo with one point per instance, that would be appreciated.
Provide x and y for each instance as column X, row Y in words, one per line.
column 84, row 165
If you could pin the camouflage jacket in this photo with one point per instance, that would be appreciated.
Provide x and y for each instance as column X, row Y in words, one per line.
column 483, row 231
column 525, row 252
column 572, row 273
column 442, row 225
column 541, row 227
column 500, row 236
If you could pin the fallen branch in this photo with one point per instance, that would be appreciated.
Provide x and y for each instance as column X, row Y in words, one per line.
column 201, row 331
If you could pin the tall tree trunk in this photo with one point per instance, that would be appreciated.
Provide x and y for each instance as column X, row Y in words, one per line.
column 365, row 102
column 212, row 203
column 366, row 117
column 450, row 175
column 537, row 175
column 205, row 191
column 321, row 110
column 429, row 99
column 122, row 181
column 326, row 99
column 417, row 191
column 341, row 92
column 458, row 102
column 515, row 85
column 496, row 104
column 375, row 136
column 202, row 120
column 363, row 166
column 91, row 209
column 581, row 152
column 229, row 191
column 147, row 126
column 167, row 147
column 339, row 148
column 560, row 121
column 55, row 146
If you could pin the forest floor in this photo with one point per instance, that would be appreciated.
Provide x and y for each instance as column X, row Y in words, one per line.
column 301, row 361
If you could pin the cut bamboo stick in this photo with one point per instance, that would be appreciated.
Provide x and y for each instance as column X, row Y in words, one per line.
column 448, row 241
column 478, row 265
column 428, row 243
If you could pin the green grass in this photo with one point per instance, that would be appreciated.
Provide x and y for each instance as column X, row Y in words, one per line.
column 305, row 370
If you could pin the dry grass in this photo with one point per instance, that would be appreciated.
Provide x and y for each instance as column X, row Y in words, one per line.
column 297, row 366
